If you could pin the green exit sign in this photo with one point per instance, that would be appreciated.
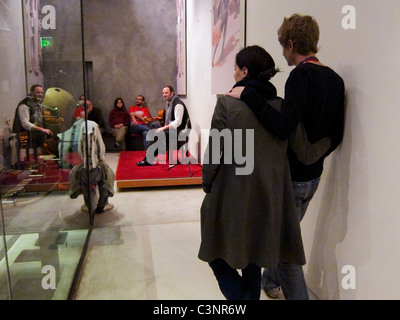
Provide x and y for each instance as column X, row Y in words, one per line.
column 46, row 42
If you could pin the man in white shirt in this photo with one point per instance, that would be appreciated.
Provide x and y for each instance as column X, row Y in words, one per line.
column 176, row 117
column 29, row 118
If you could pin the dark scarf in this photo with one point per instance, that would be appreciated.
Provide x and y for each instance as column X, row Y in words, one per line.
column 264, row 88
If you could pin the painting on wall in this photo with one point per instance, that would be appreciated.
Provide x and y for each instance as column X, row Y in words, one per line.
column 181, row 47
column 228, row 38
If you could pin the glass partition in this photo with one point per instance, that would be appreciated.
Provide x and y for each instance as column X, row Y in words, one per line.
column 43, row 230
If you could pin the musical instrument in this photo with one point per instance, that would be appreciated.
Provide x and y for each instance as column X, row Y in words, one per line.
column 160, row 116
column 49, row 118
column 61, row 105
column 58, row 108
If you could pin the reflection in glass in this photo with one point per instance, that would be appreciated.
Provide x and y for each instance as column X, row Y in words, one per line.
column 43, row 230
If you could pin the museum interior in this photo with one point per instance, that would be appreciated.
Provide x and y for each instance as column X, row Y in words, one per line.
column 54, row 243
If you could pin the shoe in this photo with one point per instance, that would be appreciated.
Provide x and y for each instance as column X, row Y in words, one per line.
column 84, row 208
column 143, row 163
column 108, row 207
column 273, row 293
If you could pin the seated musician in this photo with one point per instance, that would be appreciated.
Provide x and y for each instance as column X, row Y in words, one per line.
column 175, row 119
column 140, row 115
column 29, row 118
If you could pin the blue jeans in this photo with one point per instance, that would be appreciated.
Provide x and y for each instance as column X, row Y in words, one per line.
column 236, row 287
column 143, row 129
column 287, row 275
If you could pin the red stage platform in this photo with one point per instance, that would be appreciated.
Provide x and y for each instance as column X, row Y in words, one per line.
column 129, row 175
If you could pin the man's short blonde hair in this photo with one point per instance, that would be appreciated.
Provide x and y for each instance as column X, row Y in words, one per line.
column 303, row 31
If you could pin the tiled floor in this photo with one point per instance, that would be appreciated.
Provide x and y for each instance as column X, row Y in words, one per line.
column 146, row 248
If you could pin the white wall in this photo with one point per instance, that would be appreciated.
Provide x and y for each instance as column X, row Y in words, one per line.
column 354, row 218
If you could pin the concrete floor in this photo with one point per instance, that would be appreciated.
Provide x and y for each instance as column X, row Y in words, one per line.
column 146, row 248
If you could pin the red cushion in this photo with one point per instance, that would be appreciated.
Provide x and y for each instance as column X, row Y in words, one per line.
column 136, row 135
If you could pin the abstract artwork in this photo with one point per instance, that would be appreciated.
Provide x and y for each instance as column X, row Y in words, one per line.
column 228, row 38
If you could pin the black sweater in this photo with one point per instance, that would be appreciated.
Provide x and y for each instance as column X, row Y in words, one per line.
column 314, row 95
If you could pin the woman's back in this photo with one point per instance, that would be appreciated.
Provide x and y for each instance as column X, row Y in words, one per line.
column 251, row 217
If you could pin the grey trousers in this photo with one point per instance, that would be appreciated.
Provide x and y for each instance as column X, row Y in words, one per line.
column 89, row 189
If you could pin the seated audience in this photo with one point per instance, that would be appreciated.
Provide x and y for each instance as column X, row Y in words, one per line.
column 80, row 109
column 139, row 113
column 94, row 114
column 119, row 121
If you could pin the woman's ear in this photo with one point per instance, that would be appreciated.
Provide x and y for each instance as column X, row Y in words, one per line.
column 245, row 72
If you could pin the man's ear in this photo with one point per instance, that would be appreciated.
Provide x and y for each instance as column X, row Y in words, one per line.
column 290, row 45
